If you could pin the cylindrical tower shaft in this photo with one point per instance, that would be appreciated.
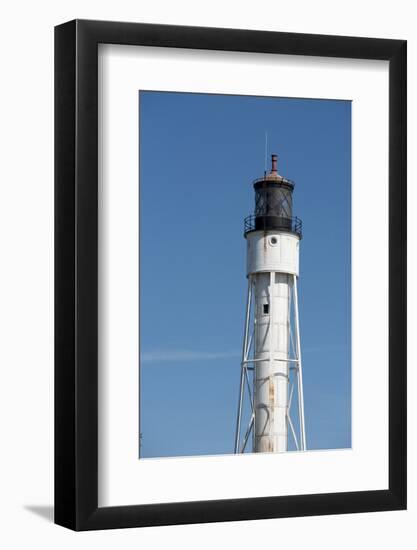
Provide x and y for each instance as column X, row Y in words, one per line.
column 272, row 310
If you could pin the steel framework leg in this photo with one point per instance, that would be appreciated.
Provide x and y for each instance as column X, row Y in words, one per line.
column 243, row 373
column 303, row 444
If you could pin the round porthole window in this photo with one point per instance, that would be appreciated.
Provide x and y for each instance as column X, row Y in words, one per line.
column 273, row 241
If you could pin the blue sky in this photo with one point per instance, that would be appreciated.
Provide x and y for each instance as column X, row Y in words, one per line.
column 198, row 156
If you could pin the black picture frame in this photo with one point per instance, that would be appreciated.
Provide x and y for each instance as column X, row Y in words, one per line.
column 76, row 272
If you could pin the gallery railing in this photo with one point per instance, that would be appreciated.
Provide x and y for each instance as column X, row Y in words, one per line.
column 267, row 223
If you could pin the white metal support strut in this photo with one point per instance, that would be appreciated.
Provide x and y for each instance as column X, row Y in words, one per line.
column 299, row 369
column 243, row 368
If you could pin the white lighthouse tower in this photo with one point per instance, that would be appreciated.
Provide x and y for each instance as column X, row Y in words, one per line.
column 271, row 369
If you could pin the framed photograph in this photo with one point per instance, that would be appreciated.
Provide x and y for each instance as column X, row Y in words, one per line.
column 230, row 275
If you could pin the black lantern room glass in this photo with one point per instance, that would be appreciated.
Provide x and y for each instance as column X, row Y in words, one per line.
column 273, row 204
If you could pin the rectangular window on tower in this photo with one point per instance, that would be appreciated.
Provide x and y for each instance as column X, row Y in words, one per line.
column 266, row 309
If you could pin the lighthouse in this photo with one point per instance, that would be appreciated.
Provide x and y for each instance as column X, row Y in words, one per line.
column 271, row 381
